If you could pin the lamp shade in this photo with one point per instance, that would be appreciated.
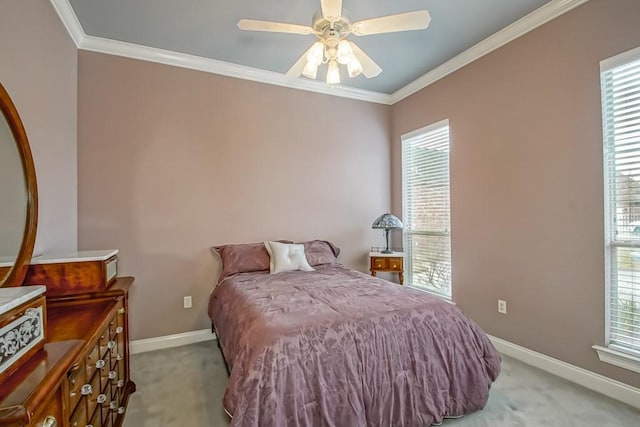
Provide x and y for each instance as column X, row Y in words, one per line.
column 387, row 221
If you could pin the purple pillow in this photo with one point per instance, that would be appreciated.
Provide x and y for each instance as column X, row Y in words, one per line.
column 321, row 252
column 242, row 258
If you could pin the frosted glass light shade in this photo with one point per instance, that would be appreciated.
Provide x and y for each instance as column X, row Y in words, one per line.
column 310, row 70
column 315, row 54
column 354, row 67
column 333, row 74
column 345, row 53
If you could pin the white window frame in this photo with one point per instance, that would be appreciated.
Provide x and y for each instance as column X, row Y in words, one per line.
column 621, row 356
column 407, row 232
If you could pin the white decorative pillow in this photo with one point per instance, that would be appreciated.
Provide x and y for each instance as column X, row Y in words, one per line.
column 286, row 257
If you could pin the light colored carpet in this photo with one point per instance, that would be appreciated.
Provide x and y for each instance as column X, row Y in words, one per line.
column 183, row 387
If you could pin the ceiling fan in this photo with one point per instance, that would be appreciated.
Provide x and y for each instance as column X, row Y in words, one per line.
column 332, row 25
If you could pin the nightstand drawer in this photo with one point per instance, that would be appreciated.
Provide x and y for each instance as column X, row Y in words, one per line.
column 394, row 264
column 379, row 263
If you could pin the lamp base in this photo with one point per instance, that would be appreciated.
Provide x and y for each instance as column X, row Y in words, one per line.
column 386, row 238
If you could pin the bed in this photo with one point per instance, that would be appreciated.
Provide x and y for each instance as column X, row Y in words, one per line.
column 337, row 347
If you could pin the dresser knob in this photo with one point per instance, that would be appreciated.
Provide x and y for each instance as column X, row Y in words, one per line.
column 100, row 364
column 86, row 390
column 101, row 398
column 121, row 310
column 113, row 405
column 120, row 383
column 111, row 345
column 113, row 375
column 121, row 410
column 50, row 421
column 119, row 356
column 119, row 330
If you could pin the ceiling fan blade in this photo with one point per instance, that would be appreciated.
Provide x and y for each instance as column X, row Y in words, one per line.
column 417, row 20
column 369, row 67
column 296, row 69
column 331, row 9
column 275, row 27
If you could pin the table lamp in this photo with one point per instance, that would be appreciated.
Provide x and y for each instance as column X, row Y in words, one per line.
column 387, row 222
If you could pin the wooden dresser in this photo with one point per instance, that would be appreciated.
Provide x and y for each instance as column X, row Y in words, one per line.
column 82, row 377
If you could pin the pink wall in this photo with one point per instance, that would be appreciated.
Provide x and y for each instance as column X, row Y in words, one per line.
column 38, row 67
column 173, row 161
column 526, row 181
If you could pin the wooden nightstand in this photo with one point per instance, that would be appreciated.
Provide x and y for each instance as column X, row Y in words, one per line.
column 393, row 262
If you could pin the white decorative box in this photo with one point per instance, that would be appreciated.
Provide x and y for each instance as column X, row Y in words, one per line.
column 22, row 317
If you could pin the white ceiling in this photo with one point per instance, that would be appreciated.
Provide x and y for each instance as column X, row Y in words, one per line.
column 207, row 29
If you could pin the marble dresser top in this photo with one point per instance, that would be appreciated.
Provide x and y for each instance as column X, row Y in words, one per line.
column 54, row 258
column 13, row 297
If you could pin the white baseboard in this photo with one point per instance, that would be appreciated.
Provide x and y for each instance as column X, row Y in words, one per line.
column 168, row 341
column 596, row 382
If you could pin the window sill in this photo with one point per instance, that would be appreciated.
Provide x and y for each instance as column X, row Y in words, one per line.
column 440, row 296
column 613, row 355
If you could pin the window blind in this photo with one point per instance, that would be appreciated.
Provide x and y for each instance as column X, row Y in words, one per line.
column 425, row 189
column 621, row 126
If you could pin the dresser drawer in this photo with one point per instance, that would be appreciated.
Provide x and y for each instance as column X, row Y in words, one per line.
column 76, row 378
column 96, row 420
column 92, row 361
column 79, row 416
column 52, row 412
column 96, row 396
column 103, row 342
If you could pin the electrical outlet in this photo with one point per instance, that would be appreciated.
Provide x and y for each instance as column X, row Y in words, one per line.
column 187, row 302
column 502, row 306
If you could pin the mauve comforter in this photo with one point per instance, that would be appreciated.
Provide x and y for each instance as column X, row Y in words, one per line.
column 336, row 347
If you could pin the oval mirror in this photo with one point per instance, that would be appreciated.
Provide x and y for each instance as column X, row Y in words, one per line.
column 18, row 195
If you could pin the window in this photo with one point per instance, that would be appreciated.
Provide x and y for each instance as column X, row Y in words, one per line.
column 425, row 192
column 620, row 80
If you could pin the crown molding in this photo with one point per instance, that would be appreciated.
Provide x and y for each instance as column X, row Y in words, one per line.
column 130, row 50
column 519, row 28
column 69, row 20
column 533, row 20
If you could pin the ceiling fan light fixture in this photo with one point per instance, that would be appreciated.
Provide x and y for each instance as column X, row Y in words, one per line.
column 332, row 25
column 333, row 73
column 345, row 53
column 354, row 67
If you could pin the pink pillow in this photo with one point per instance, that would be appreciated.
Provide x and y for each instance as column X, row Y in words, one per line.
column 321, row 252
column 242, row 258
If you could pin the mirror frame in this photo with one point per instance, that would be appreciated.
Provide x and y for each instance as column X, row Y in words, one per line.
column 16, row 273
